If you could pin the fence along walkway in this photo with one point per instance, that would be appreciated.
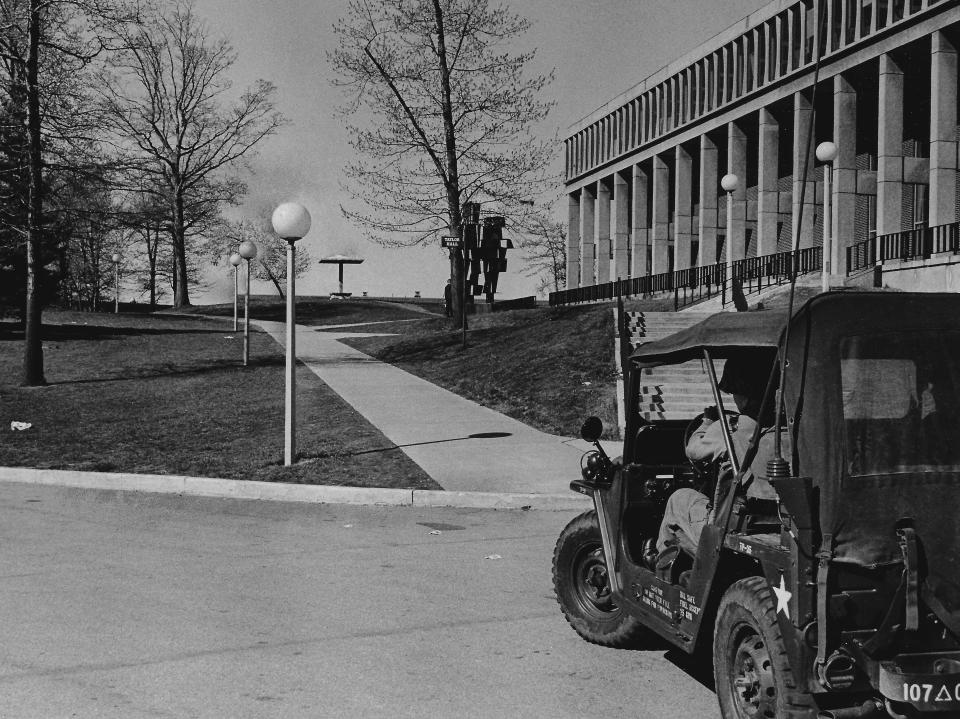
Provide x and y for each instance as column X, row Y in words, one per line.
column 695, row 284
column 919, row 244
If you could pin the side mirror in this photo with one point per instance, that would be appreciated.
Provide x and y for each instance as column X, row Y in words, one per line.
column 592, row 429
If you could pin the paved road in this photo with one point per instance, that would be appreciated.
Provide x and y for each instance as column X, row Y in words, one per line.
column 136, row 605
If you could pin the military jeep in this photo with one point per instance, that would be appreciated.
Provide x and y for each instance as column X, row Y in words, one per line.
column 841, row 597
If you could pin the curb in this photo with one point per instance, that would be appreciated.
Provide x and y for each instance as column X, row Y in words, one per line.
column 280, row 492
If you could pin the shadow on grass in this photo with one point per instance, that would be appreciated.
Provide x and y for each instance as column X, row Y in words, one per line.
column 195, row 371
column 51, row 333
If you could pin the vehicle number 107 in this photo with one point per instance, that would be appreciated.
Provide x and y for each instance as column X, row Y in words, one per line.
column 924, row 693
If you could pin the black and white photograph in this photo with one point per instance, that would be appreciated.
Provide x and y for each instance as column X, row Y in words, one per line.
column 479, row 358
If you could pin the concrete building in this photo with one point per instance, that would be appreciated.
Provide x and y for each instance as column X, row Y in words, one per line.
column 643, row 172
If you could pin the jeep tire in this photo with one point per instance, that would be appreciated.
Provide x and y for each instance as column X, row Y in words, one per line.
column 583, row 589
column 751, row 670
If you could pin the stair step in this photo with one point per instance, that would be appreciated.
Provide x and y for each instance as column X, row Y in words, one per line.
column 669, row 414
column 675, row 389
column 672, row 404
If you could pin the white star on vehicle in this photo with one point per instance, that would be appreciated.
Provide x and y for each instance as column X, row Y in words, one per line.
column 783, row 597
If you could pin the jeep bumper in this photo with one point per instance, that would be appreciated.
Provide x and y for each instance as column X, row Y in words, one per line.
column 927, row 682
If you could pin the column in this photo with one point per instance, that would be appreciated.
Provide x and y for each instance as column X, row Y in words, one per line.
column 801, row 126
column 737, row 165
column 641, row 224
column 709, row 182
column 602, row 232
column 889, row 146
column 573, row 241
column 587, row 269
column 621, row 226
column 683, row 209
column 660, row 223
column 768, row 196
column 844, row 171
column 943, row 130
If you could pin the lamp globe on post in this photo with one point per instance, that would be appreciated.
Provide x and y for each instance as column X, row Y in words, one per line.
column 729, row 183
column 291, row 221
column 826, row 153
column 115, row 259
column 235, row 260
column 247, row 250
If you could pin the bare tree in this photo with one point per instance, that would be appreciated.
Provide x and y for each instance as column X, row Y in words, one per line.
column 166, row 103
column 145, row 218
column 452, row 110
column 45, row 45
column 271, row 262
column 545, row 251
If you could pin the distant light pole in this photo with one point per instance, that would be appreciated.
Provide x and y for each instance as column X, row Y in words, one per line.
column 247, row 250
column 729, row 183
column 235, row 260
column 291, row 221
column 827, row 153
column 115, row 259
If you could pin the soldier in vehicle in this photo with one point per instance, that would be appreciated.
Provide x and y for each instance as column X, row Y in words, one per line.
column 687, row 510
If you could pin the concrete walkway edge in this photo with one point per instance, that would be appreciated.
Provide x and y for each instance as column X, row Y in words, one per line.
column 282, row 492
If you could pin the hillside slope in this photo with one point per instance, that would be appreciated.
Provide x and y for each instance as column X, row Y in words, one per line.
column 549, row 368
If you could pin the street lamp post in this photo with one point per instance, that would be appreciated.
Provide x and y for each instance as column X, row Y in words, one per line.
column 729, row 183
column 115, row 259
column 291, row 221
column 235, row 260
column 827, row 153
column 247, row 250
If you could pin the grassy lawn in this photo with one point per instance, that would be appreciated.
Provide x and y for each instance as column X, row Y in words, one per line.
column 549, row 368
column 168, row 395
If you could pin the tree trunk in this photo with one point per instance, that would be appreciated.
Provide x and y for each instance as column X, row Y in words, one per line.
column 276, row 282
column 453, row 177
column 152, row 250
column 33, row 343
column 181, row 297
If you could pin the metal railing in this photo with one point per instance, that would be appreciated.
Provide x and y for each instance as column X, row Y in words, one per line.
column 696, row 284
column 919, row 244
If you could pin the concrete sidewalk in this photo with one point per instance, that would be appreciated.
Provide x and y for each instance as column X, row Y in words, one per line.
column 462, row 445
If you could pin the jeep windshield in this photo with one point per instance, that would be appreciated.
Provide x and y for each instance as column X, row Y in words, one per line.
column 901, row 402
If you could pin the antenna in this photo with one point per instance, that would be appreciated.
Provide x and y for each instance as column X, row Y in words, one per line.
column 778, row 467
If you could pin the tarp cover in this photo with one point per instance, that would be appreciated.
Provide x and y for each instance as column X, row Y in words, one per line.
column 722, row 334
column 871, row 388
column 873, row 401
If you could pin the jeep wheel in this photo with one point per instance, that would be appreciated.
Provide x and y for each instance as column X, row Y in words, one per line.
column 753, row 676
column 583, row 589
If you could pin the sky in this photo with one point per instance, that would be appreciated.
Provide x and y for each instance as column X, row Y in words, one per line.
column 597, row 51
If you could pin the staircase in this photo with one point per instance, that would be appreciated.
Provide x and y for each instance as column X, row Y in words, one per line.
column 674, row 391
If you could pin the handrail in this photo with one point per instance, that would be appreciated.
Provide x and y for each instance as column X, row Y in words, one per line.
column 918, row 244
column 702, row 282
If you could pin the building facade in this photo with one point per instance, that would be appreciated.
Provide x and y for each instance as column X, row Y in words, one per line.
column 644, row 172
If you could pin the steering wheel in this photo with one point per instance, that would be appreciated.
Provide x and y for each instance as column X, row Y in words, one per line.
column 704, row 469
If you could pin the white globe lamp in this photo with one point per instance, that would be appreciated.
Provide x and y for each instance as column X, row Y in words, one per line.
column 290, row 221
